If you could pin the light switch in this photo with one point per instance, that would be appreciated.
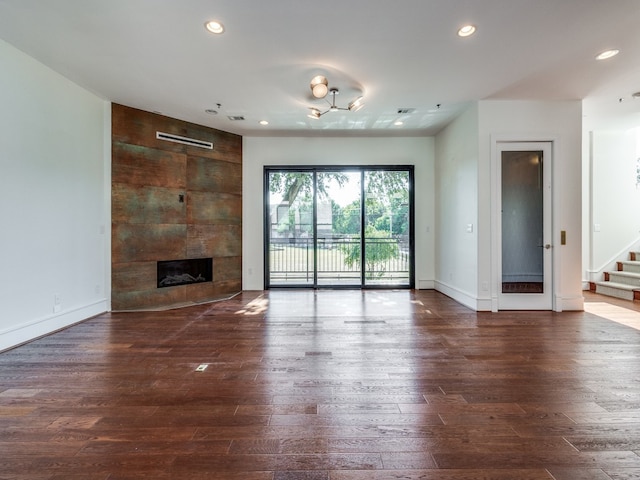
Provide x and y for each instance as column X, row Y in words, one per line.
column 469, row 227
column 596, row 227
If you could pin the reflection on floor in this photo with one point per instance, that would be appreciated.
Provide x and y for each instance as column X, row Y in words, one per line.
column 617, row 314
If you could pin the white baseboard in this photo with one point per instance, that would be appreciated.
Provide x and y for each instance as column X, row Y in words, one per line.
column 570, row 304
column 19, row 334
column 464, row 298
column 426, row 285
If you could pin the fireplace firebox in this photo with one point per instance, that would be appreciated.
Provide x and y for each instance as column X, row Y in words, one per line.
column 184, row 272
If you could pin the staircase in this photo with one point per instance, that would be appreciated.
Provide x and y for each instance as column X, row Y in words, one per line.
column 624, row 282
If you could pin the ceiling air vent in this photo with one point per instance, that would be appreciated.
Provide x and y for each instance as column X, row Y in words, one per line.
column 235, row 118
column 402, row 111
column 184, row 140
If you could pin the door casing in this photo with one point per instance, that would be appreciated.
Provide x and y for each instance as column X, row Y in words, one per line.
column 500, row 301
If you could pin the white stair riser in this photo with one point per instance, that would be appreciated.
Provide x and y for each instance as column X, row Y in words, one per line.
column 615, row 277
column 630, row 267
column 614, row 292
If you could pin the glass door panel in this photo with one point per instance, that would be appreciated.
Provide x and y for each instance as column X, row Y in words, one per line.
column 525, row 228
column 387, row 229
column 338, row 228
column 522, row 228
column 291, row 228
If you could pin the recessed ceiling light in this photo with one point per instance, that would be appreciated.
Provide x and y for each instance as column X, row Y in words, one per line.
column 211, row 111
column 264, row 122
column 398, row 123
column 214, row 26
column 466, row 31
column 607, row 54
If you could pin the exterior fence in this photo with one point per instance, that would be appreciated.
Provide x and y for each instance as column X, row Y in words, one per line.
column 291, row 261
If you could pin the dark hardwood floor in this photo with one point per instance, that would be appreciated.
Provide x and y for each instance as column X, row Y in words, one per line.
column 326, row 385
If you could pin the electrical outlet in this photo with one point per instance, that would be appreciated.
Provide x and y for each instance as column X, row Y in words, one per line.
column 57, row 303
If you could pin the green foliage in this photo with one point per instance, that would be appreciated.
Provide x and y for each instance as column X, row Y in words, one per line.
column 386, row 183
column 346, row 221
column 291, row 184
column 378, row 249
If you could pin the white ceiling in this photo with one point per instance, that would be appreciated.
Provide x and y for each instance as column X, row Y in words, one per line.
column 156, row 55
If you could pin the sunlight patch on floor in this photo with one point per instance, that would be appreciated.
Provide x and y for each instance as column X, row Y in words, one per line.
column 621, row 315
column 256, row 306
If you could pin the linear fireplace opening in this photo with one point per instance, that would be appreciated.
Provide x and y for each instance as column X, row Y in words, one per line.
column 183, row 272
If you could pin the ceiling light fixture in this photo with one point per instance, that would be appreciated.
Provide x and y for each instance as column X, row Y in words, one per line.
column 466, row 30
column 607, row 54
column 320, row 87
column 214, row 26
column 264, row 122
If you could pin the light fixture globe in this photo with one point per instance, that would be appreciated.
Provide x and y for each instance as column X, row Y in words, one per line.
column 320, row 89
column 315, row 114
column 319, row 86
column 356, row 105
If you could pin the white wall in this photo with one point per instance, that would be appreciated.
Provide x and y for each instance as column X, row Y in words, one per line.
column 613, row 227
column 259, row 152
column 464, row 261
column 54, row 209
column 456, row 231
column 559, row 122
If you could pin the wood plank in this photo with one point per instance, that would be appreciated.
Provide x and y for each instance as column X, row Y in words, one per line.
column 326, row 384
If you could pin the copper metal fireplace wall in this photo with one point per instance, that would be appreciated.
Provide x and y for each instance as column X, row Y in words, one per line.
column 171, row 201
column 172, row 273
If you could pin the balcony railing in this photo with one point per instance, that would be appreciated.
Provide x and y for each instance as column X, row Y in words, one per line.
column 291, row 261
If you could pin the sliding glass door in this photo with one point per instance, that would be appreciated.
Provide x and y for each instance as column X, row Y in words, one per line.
column 338, row 227
column 348, row 227
column 291, row 228
column 387, row 252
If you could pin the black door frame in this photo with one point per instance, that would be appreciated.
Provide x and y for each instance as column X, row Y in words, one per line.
column 337, row 168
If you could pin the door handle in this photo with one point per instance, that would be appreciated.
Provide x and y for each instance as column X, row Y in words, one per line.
column 546, row 246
